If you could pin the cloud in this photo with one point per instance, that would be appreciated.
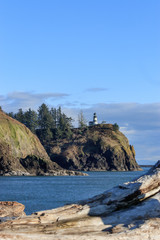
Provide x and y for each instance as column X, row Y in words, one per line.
column 96, row 89
column 133, row 115
column 15, row 100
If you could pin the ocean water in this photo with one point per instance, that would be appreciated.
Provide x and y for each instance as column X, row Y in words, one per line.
column 42, row 193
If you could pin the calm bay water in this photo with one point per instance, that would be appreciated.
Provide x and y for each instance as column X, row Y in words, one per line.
column 41, row 193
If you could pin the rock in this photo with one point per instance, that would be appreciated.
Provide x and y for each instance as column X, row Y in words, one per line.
column 11, row 210
column 96, row 148
column 64, row 172
column 128, row 211
column 17, row 173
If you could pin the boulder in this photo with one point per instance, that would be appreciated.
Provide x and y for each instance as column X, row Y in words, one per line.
column 10, row 210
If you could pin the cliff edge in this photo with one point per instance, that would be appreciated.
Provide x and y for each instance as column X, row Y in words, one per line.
column 96, row 148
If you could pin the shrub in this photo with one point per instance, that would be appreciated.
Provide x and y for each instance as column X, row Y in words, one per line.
column 115, row 127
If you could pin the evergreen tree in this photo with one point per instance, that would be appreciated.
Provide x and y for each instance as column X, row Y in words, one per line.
column 53, row 113
column 45, row 122
column 64, row 124
column 81, row 120
column 31, row 120
column 59, row 123
column 58, row 116
column 20, row 116
column 115, row 127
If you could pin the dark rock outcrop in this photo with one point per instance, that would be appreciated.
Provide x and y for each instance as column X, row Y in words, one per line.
column 96, row 148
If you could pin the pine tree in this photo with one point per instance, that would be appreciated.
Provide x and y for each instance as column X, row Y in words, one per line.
column 64, row 124
column 81, row 120
column 115, row 127
column 53, row 113
column 20, row 116
column 31, row 120
column 45, row 122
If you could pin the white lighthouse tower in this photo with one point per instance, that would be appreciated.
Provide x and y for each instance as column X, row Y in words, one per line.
column 95, row 121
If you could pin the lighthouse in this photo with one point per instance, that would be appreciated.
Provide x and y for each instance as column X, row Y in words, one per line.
column 95, row 121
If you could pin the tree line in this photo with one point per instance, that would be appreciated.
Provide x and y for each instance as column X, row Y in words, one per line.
column 48, row 124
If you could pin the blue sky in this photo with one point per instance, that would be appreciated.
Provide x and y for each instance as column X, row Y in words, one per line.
column 101, row 56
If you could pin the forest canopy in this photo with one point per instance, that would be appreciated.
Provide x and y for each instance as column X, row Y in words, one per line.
column 48, row 124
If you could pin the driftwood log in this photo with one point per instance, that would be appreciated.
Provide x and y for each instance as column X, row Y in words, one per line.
column 128, row 211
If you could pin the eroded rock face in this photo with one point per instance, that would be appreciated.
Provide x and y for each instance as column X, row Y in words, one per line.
column 128, row 211
column 97, row 148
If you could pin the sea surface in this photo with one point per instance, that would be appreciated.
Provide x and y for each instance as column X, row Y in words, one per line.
column 41, row 193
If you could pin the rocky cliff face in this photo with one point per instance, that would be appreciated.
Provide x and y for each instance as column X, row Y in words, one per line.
column 95, row 148
column 21, row 152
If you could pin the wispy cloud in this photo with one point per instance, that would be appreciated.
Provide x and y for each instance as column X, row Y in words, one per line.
column 96, row 89
column 15, row 100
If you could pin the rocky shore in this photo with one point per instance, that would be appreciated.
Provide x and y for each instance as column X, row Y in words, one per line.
column 128, row 211
column 62, row 172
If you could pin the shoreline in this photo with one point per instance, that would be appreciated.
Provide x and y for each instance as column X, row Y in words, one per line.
column 127, row 211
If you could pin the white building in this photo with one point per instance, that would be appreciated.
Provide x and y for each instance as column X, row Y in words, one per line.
column 95, row 121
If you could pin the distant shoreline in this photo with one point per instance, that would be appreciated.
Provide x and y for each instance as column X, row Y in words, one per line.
column 146, row 165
